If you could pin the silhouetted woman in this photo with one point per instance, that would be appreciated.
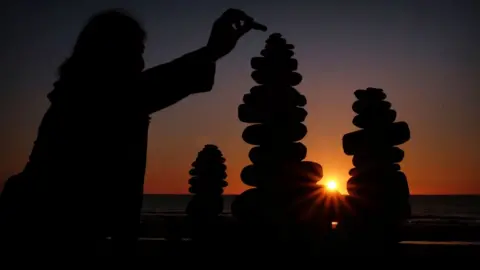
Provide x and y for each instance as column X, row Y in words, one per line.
column 84, row 178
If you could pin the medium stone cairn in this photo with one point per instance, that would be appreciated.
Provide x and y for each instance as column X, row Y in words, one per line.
column 379, row 193
column 207, row 183
column 282, row 181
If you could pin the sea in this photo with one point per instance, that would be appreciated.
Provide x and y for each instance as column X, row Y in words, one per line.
column 424, row 207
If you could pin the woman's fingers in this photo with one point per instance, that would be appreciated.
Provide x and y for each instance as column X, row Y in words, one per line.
column 234, row 16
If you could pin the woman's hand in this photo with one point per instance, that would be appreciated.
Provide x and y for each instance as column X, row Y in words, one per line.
column 227, row 30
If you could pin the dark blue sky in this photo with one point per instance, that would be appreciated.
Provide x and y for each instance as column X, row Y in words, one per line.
column 423, row 53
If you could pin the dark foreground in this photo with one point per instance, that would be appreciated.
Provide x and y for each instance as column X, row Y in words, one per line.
column 159, row 248
column 167, row 250
column 174, row 226
column 168, row 237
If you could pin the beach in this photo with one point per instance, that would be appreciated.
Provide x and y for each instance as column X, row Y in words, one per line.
column 163, row 235
column 438, row 227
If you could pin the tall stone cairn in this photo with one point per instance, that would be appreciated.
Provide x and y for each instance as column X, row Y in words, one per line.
column 207, row 183
column 281, row 180
column 378, row 190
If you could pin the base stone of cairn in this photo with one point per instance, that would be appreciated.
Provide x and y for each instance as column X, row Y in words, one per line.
column 379, row 193
column 284, row 192
column 207, row 184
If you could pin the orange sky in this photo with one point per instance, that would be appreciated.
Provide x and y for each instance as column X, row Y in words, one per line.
column 433, row 166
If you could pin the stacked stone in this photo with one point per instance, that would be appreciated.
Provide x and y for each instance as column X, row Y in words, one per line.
column 207, row 183
column 378, row 189
column 280, row 177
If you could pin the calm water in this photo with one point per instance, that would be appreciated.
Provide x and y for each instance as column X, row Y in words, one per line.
column 423, row 206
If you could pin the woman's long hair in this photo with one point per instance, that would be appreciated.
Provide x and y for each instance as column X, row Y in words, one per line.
column 111, row 41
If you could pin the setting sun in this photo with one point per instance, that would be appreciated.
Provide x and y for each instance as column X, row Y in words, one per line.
column 332, row 185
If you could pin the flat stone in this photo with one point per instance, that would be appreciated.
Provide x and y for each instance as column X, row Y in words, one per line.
column 215, row 173
column 279, row 46
column 282, row 176
column 210, row 152
column 250, row 114
column 280, row 99
column 277, row 78
column 269, row 177
column 281, row 54
column 208, row 162
column 372, row 119
column 394, row 134
column 276, row 42
column 374, row 90
column 283, row 153
column 210, row 146
column 275, row 35
column 199, row 180
column 276, row 38
column 376, row 107
column 388, row 186
column 250, row 176
column 374, row 171
column 265, row 134
column 260, row 63
column 370, row 94
column 263, row 95
column 382, row 157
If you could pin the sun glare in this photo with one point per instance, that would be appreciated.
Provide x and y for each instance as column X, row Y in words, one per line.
column 332, row 185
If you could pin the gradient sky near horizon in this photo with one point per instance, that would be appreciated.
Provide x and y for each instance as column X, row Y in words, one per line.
column 424, row 54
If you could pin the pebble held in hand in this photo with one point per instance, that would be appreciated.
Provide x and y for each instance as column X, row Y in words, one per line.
column 228, row 29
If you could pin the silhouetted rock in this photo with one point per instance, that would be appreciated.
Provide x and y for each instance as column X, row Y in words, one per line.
column 379, row 193
column 207, row 183
column 285, row 185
